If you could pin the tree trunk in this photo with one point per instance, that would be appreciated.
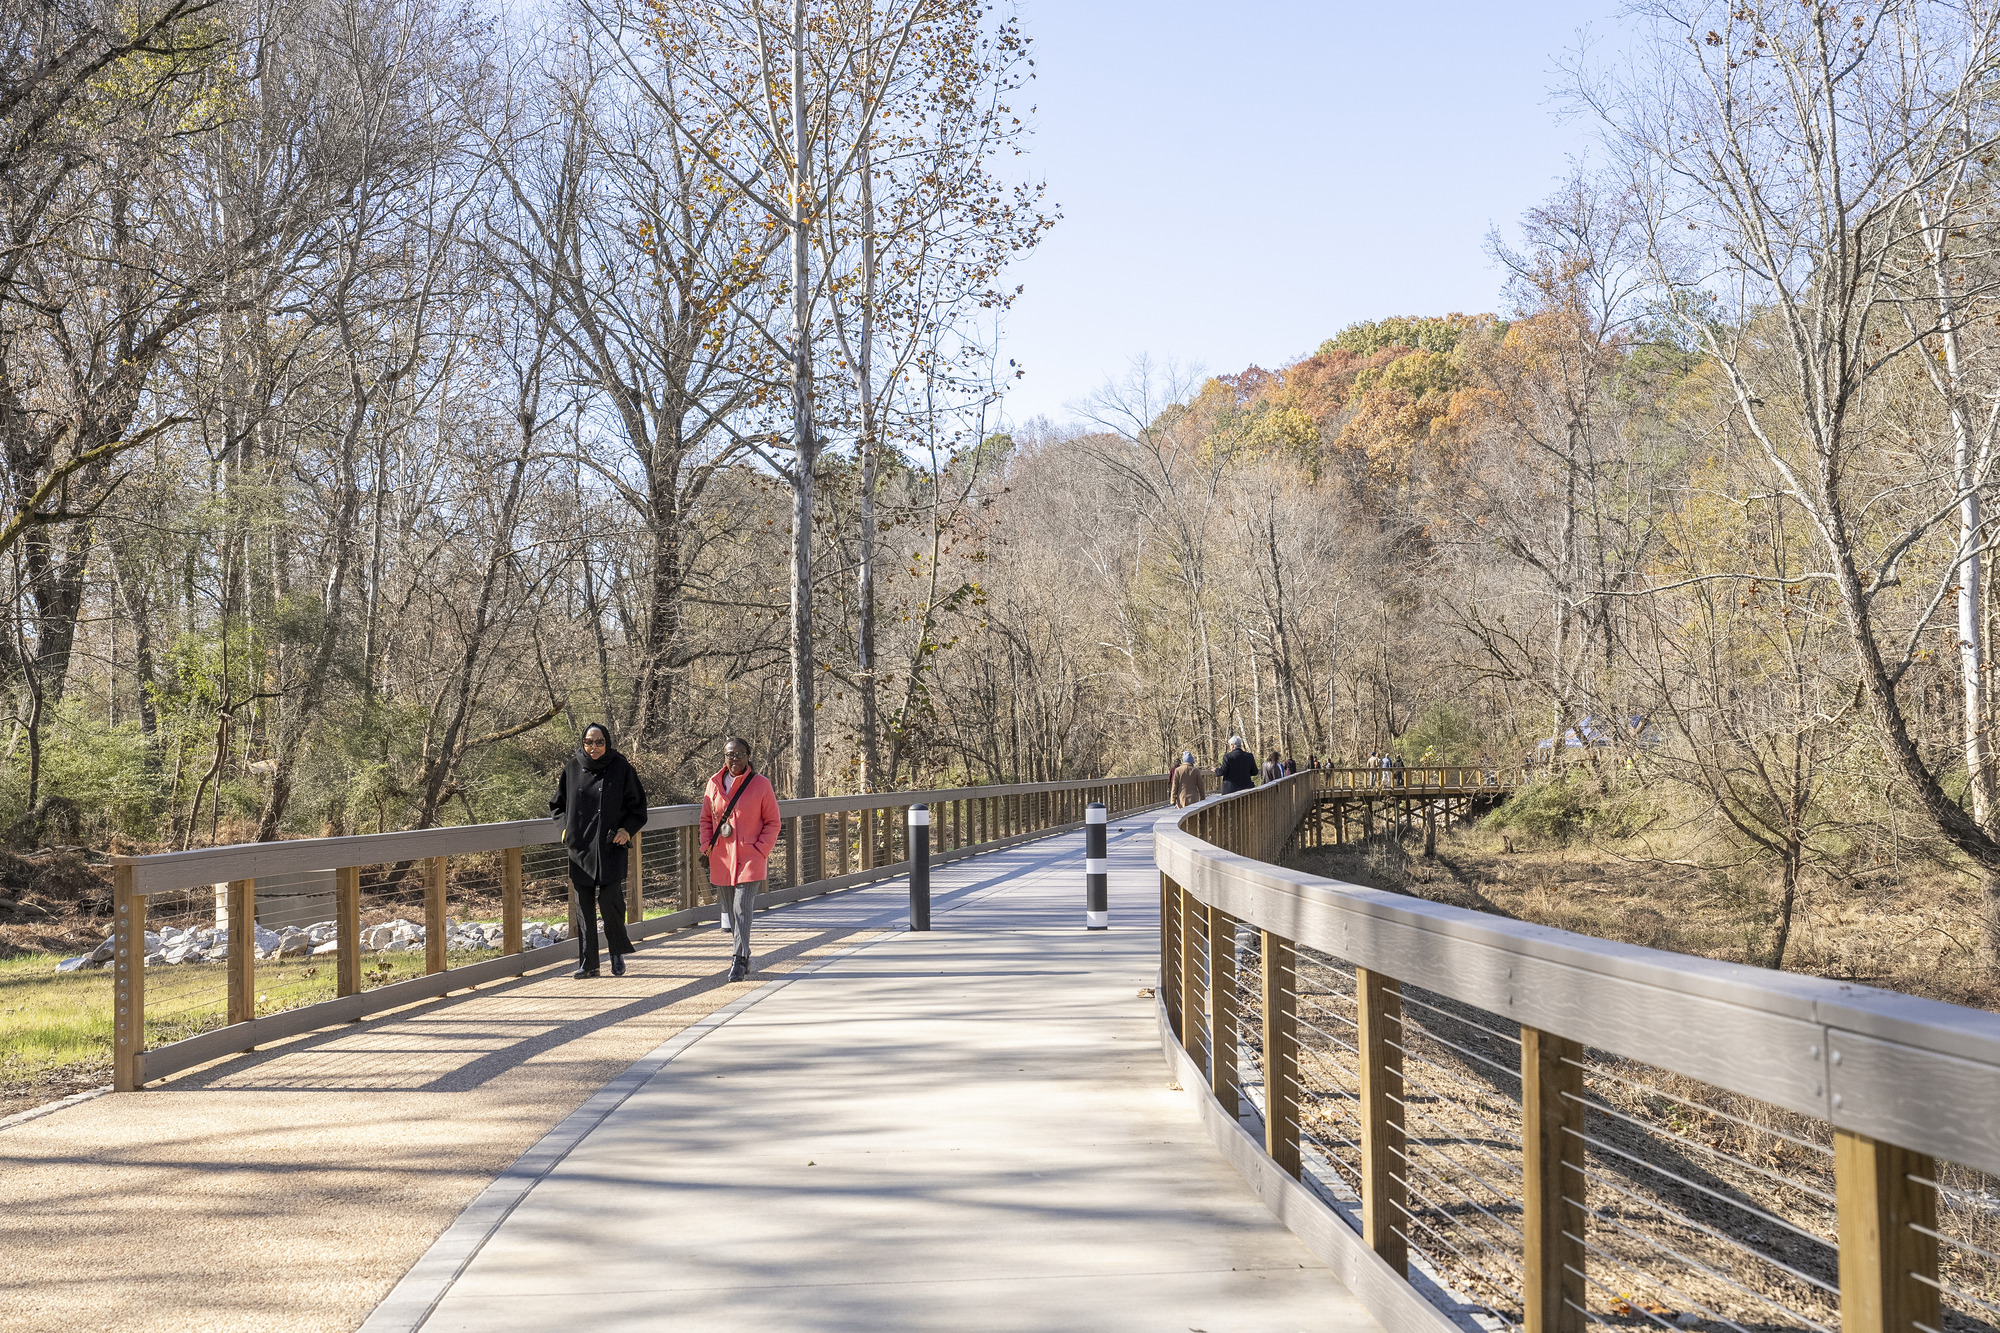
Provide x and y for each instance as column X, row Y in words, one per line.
column 805, row 445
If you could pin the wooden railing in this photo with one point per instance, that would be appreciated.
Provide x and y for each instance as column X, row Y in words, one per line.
column 829, row 843
column 1484, row 1123
column 1429, row 777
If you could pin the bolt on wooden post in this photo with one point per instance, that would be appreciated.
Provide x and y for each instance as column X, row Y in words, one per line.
column 510, row 900
column 347, row 929
column 1887, row 1203
column 242, row 963
column 128, row 982
column 1170, row 953
column 635, row 904
column 1384, row 1145
column 1552, row 1183
column 1281, row 1051
column 1223, row 1079
column 434, row 941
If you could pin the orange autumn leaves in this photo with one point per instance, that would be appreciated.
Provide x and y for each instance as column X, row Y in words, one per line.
column 1387, row 406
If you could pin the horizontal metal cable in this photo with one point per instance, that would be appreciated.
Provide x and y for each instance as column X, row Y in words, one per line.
column 1601, row 1179
column 1411, row 1057
column 1949, row 1290
column 1462, row 1257
column 1690, row 1261
column 1418, row 1164
column 1315, row 1028
column 1718, row 1196
column 1333, row 1160
column 1345, row 995
column 1498, row 1132
column 1591, row 1316
column 1686, row 1298
column 1955, row 1242
column 1677, row 1137
column 1505, row 1070
column 1346, row 1115
column 1604, row 1071
column 1423, row 1218
column 1513, row 1039
column 1332, row 1090
column 1474, row 1144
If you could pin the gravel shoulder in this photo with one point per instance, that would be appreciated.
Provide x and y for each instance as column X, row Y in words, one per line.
column 290, row 1189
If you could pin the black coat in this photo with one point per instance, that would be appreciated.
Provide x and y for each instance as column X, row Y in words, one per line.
column 1238, row 771
column 593, row 807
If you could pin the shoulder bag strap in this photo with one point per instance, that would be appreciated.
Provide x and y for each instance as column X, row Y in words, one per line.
column 734, row 797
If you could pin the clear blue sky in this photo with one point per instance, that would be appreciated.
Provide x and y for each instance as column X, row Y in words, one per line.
column 1239, row 182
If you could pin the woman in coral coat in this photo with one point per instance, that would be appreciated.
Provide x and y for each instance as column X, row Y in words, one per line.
column 737, row 840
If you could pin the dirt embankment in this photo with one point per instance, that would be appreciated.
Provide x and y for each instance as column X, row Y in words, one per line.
column 1918, row 933
column 53, row 901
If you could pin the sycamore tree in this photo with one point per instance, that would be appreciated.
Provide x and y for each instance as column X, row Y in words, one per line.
column 1816, row 198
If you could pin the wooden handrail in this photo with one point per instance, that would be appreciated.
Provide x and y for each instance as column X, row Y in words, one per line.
column 1902, row 1082
column 986, row 817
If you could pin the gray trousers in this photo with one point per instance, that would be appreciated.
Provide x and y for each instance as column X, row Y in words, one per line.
column 738, row 900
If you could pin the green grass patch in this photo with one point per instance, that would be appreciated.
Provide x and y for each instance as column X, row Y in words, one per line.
column 50, row 1022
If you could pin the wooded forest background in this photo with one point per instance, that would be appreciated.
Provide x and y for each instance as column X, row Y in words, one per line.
column 387, row 390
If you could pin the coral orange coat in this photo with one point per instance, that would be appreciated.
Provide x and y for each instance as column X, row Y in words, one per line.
column 741, row 856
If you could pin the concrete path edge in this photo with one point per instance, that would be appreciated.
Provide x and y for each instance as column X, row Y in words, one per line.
column 411, row 1301
column 1394, row 1302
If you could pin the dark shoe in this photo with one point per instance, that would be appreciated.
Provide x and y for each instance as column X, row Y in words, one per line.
column 617, row 964
column 740, row 969
column 583, row 972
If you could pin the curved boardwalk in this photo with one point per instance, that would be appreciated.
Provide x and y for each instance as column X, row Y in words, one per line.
column 969, row 1129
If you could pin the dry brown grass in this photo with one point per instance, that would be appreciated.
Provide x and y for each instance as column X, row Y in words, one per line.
column 1914, row 930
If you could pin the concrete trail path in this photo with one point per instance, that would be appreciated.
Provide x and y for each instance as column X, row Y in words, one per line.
column 969, row 1129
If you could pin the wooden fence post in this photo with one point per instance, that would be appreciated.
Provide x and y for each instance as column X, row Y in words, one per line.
column 1223, row 1078
column 510, row 900
column 1193, row 1006
column 840, row 841
column 1170, row 952
column 347, row 930
column 1384, row 1171
column 792, row 835
column 1552, row 1183
column 1281, row 1051
column 868, row 839
column 434, row 915
column 1887, row 1265
column 690, row 866
column 242, row 950
column 128, row 981
column 635, row 902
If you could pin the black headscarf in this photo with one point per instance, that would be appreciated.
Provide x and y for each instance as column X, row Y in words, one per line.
column 596, row 765
column 594, row 799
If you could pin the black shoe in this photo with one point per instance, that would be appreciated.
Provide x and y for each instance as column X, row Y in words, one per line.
column 740, row 969
column 617, row 964
column 583, row 972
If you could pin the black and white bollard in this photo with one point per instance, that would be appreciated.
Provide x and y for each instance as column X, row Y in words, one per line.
column 1096, row 869
column 920, row 867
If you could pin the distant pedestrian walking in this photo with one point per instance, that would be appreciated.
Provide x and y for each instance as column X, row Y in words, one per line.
column 602, row 805
column 1273, row 770
column 1238, row 769
column 739, row 827
column 1187, row 786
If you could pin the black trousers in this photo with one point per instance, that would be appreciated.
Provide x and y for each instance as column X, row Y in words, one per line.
column 592, row 898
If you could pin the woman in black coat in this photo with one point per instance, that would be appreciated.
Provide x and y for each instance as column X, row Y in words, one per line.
column 602, row 805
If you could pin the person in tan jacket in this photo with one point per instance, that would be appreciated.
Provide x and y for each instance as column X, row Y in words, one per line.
column 1188, row 786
